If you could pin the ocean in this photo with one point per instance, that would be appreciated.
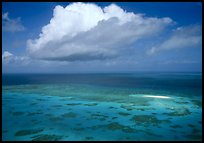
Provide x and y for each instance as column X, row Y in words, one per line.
column 102, row 107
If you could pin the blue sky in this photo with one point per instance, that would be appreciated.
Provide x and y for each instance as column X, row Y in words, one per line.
column 101, row 37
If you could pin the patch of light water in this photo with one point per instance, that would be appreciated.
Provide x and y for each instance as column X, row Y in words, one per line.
column 149, row 96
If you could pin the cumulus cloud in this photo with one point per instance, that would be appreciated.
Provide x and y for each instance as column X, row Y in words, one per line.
column 11, row 25
column 82, row 31
column 9, row 58
column 182, row 37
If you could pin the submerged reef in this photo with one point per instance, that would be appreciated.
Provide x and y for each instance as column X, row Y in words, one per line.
column 98, row 116
column 34, row 113
column 28, row 132
column 176, row 126
column 117, row 126
column 88, row 138
column 90, row 104
column 148, row 120
column 198, row 103
column 127, row 107
column 69, row 115
column 123, row 113
column 74, row 104
column 46, row 137
column 55, row 119
column 17, row 113
column 179, row 112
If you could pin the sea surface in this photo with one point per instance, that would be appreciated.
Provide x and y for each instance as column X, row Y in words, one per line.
column 104, row 107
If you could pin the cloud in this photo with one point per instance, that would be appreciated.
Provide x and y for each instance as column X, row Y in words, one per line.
column 11, row 25
column 84, row 32
column 182, row 37
column 9, row 58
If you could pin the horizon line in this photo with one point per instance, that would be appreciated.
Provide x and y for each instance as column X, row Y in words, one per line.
column 127, row 72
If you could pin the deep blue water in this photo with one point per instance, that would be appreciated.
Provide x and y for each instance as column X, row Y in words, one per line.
column 102, row 106
column 169, row 81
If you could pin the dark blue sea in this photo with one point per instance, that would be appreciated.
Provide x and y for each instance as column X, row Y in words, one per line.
column 107, row 107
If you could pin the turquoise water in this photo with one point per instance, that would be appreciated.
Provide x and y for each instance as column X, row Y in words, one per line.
column 139, row 107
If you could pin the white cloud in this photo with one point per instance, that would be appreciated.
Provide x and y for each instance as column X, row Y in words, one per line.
column 11, row 25
column 9, row 58
column 182, row 37
column 87, row 32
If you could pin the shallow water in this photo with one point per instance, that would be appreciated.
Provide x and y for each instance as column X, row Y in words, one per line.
column 102, row 107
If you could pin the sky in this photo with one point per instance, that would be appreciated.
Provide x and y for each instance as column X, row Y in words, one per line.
column 62, row 37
